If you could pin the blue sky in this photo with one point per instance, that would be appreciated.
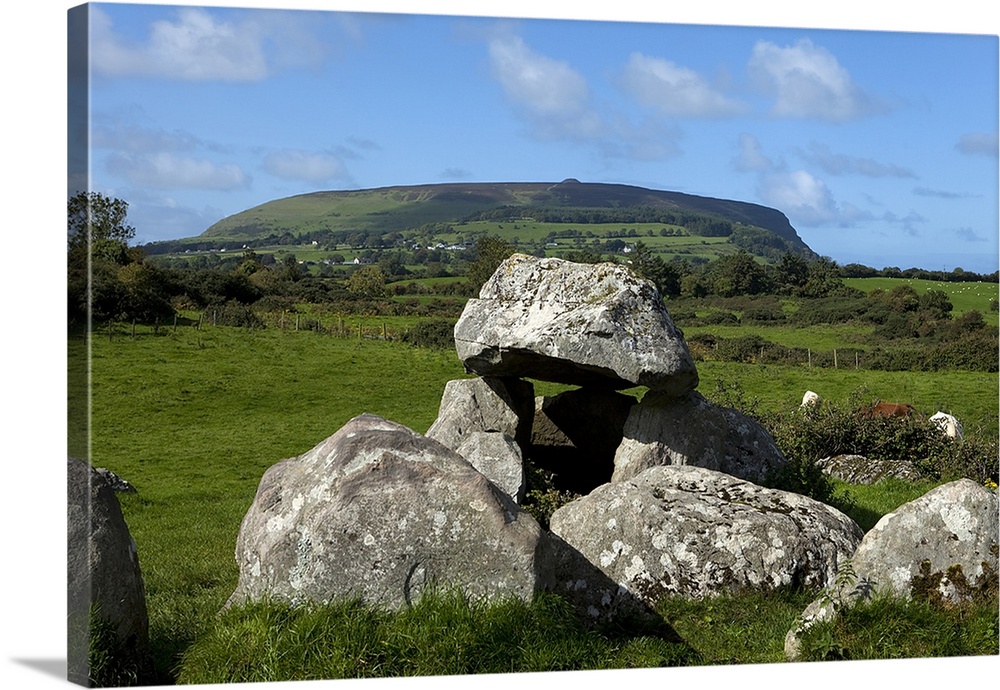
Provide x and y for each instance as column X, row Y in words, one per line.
column 880, row 146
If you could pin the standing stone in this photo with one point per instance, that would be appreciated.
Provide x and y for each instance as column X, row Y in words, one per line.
column 690, row 430
column 581, row 324
column 380, row 512
column 942, row 546
column 103, row 577
column 692, row 532
column 484, row 404
column 497, row 456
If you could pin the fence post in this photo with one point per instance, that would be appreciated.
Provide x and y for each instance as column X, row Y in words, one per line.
column 383, row 331
column 296, row 322
column 133, row 329
column 835, row 359
column 856, row 361
column 810, row 357
column 359, row 330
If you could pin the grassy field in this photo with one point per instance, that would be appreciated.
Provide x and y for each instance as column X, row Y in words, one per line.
column 192, row 417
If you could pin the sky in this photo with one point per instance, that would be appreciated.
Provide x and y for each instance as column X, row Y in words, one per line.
column 879, row 146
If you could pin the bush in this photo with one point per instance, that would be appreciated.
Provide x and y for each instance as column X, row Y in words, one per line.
column 233, row 314
column 807, row 436
column 438, row 334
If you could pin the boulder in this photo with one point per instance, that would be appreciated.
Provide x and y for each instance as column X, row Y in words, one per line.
column 857, row 469
column 942, row 546
column 690, row 430
column 496, row 455
column 693, row 532
column 576, row 433
column 379, row 512
column 484, row 404
column 581, row 324
column 103, row 578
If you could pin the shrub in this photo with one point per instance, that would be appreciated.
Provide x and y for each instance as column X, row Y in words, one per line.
column 807, row 436
column 233, row 314
column 438, row 334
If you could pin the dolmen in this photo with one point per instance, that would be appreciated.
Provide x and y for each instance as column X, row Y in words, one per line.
column 671, row 484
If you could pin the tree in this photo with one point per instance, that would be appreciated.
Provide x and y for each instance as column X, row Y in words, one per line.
column 490, row 251
column 665, row 277
column 367, row 281
column 100, row 222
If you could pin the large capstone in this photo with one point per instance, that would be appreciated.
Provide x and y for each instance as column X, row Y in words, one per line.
column 690, row 430
column 692, row 532
column 380, row 512
column 581, row 324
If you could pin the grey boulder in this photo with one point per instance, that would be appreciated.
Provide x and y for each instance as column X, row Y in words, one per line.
column 498, row 457
column 503, row 405
column 581, row 324
column 103, row 576
column 690, row 430
column 941, row 546
column 857, row 469
column 380, row 512
column 693, row 532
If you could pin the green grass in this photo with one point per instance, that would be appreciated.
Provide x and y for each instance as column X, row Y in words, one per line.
column 866, row 504
column 443, row 634
column 888, row 628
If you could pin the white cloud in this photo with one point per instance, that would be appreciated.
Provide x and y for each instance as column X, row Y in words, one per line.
column 983, row 143
column 550, row 91
column 309, row 166
column 166, row 170
column 802, row 197
column 750, row 156
column 198, row 45
column 674, row 90
column 807, row 81
column 842, row 164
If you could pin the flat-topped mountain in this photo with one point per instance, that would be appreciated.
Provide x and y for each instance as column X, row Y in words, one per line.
column 409, row 208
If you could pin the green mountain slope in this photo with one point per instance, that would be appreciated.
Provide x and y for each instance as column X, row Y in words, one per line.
column 409, row 208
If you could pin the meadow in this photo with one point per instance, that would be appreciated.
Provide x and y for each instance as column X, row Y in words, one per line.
column 192, row 416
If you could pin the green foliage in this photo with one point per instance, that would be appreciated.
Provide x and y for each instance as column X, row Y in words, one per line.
column 542, row 497
column 100, row 221
column 368, row 282
column 490, row 252
column 444, row 633
column 437, row 333
column 809, row 435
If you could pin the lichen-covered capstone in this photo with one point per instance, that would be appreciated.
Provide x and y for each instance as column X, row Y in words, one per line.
column 380, row 512
column 582, row 324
